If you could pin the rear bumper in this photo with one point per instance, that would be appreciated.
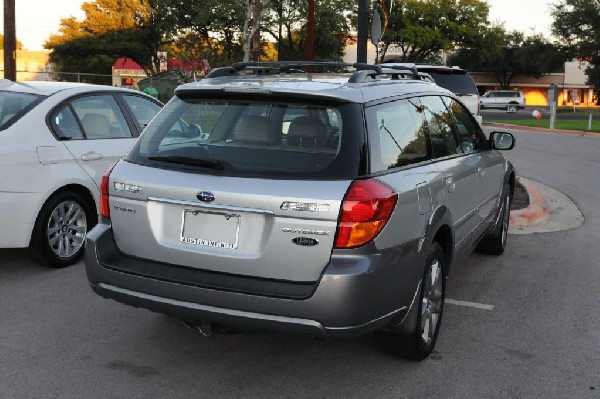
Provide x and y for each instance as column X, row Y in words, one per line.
column 357, row 293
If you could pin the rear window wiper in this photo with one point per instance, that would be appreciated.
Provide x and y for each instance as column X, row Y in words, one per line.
column 203, row 163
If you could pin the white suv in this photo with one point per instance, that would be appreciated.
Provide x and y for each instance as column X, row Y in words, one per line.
column 56, row 140
column 511, row 100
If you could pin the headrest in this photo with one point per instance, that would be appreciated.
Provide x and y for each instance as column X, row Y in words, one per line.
column 307, row 131
column 96, row 126
column 253, row 129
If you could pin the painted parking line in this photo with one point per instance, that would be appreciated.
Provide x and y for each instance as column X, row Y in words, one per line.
column 469, row 304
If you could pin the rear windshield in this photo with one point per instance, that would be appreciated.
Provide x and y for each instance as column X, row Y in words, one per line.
column 255, row 139
column 456, row 81
column 15, row 105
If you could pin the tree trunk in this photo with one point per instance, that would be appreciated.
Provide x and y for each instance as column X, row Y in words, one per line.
column 246, row 37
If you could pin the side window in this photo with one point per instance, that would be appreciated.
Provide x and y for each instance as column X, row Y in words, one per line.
column 143, row 109
column 439, row 120
column 65, row 125
column 101, row 117
column 398, row 134
column 470, row 134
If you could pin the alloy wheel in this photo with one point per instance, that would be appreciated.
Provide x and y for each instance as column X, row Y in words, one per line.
column 431, row 305
column 67, row 227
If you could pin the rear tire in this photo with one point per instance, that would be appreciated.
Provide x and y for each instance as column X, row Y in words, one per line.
column 494, row 242
column 511, row 108
column 58, row 238
column 420, row 343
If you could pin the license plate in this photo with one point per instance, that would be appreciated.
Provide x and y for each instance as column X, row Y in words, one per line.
column 210, row 229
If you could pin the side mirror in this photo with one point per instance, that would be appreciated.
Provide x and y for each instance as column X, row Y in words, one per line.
column 502, row 141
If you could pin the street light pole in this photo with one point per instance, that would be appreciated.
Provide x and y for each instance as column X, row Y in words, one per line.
column 10, row 41
column 362, row 35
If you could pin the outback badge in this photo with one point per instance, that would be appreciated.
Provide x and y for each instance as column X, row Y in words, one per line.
column 305, row 241
column 205, row 196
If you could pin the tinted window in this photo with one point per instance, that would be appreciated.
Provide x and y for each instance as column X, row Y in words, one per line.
column 469, row 132
column 255, row 139
column 100, row 117
column 397, row 134
column 456, row 81
column 142, row 108
column 14, row 105
column 439, row 121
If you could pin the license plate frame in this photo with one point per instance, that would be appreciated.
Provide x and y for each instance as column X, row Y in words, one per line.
column 224, row 225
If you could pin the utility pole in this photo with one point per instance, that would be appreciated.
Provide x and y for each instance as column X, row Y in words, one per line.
column 310, row 37
column 256, row 37
column 10, row 41
column 362, row 34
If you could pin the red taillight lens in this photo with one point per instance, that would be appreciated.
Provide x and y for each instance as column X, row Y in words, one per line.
column 365, row 211
column 104, row 208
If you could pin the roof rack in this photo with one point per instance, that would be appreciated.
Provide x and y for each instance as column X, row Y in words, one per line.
column 364, row 72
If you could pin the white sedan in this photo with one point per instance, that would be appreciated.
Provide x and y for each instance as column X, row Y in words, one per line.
column 56, row 140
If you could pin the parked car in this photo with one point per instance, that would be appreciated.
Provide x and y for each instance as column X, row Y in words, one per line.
column 56, row 140
column 452, row 78
column 511, row 100
column 328, row 204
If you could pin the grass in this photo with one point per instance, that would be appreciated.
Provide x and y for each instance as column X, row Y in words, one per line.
column 581, row 125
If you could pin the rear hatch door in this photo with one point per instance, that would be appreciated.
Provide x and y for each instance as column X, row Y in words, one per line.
column 276, row 229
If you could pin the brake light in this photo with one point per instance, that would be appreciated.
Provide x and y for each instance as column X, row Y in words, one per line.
column 366, row 209
column 104, row 208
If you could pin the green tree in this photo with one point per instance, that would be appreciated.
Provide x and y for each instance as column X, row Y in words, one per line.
column 507, row 55
column 110, row 29
column 577, row 25
column 286, row 22
column 422, row 29
column 210, row 29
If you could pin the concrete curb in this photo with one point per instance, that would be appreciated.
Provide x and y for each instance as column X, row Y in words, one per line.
column 537, row 211
column 549, row 210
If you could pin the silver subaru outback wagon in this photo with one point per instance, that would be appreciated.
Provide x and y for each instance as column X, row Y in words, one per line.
column 333, row 204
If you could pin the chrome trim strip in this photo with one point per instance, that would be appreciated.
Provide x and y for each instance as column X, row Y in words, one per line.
column 412, row 303
column 228, row 208
column 392, row 313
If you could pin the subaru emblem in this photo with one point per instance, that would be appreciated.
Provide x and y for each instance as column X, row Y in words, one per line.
column 205, row 196
column 305, row 241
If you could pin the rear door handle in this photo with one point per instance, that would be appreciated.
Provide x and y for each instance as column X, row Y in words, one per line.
column 91, row 156
column 450, row 184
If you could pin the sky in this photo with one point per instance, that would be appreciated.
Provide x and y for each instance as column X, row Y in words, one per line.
column 36, row 20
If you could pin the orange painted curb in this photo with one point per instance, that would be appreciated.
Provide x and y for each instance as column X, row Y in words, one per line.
column 537, row 211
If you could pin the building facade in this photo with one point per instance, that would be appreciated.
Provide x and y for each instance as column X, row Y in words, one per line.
column 31, row 65
column 573, row 89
